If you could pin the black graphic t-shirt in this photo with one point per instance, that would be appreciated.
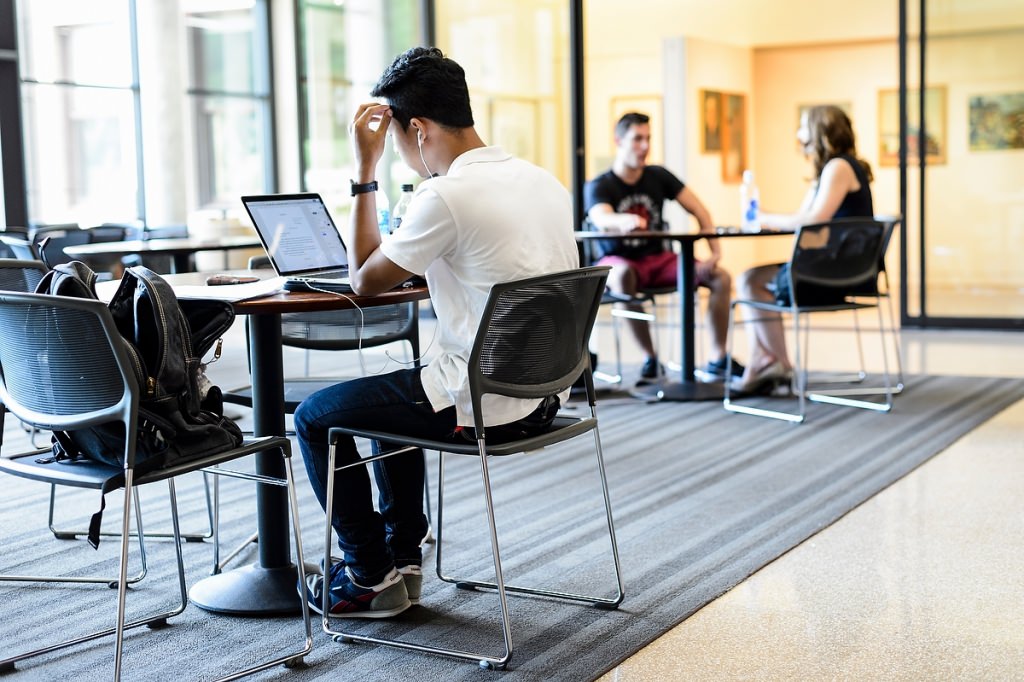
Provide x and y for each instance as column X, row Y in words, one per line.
column 646, row 198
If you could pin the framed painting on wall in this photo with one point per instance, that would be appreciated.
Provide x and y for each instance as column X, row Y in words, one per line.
column 711, row 121
column 734, row 137
column 889, row 126
column 641, row 104
column 996, row 122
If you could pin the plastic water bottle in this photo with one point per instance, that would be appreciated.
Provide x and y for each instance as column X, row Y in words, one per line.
column 750, row 200
column 401, row 206
column 383, row 213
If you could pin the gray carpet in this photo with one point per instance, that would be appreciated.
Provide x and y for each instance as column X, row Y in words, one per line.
column 702, row 499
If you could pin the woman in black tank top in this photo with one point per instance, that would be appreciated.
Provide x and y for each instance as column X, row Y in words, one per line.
column 841, row 188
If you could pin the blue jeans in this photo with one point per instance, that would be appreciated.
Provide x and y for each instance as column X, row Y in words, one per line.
column 374, row 542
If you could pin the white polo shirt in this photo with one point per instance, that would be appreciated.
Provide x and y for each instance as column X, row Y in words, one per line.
column 492, row 218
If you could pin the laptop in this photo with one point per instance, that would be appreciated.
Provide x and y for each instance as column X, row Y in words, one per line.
column 301, row 240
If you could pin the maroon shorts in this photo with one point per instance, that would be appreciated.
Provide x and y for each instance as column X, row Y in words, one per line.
column 654, row 271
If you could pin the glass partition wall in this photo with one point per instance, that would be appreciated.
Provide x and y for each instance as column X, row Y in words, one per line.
column 964, row 201
column 516, row 57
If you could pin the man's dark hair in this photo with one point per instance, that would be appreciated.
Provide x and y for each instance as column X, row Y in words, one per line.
column 630, row 119
column 422, row 82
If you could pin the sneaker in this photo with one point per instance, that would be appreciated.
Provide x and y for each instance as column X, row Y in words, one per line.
column 652, row 369
column 347, row 599
column 715, row 370
column 413, row 576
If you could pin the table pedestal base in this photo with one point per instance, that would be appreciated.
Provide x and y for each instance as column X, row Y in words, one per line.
column 680, row 391
column 251, row 590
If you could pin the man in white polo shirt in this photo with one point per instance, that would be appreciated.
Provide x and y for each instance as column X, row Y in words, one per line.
column 480, row 217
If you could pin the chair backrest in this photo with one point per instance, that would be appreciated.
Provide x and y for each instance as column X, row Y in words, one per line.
column 348, row 329
column 20, row 275
column 836, row 257
column 533, row 338
column 14, row 247
column 62, row 366
column 50, row 243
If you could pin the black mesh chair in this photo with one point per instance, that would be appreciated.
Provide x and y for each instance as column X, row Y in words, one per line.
column 830, row 261
column 157, row 262
column 20, row 274
column 63, row 367
column 24, row 275
column 642, row 306
column 880, row 287
column 51, row 240
column 531, row 343
column 336, row 330
column 13, row 246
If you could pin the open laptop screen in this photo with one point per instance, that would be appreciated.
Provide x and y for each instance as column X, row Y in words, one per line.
column 297, row 232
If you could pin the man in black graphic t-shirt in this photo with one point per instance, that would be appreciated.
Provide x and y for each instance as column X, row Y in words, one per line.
column 630, row 197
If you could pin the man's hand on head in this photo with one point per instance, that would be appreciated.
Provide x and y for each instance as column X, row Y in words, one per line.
column 369, row 131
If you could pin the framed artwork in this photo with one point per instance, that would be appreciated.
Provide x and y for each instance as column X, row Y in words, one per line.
column 889, row 126
column 996, row 122
column 711, row 121
column 734, row 137
column 641, row 104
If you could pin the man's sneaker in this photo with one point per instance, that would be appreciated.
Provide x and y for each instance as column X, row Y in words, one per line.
column 346, row 599
column 715, row 370
column 651, row 372
column 413, row 576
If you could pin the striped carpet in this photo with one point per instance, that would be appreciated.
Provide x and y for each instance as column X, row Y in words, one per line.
column 702, row 499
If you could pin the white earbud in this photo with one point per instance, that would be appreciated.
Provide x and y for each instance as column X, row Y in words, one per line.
column 419, row 143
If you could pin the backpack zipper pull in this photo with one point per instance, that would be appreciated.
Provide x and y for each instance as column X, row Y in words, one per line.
column 150, row 386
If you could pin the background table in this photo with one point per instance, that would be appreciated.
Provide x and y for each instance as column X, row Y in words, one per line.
column 688, row 388
column 268, row 587
column 180, row 250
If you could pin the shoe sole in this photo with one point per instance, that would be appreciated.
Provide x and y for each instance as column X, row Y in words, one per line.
column 314, row 606
column 388, row 613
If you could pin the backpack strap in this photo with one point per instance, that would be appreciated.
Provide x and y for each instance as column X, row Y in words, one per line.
column 75, row 279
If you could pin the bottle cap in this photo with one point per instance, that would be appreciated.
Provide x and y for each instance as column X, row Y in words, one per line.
column 748, row 176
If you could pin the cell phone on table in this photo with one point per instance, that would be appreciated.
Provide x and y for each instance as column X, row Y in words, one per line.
column 220, row 280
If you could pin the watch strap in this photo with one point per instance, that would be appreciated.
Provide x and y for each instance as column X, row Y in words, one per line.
column 362, row 188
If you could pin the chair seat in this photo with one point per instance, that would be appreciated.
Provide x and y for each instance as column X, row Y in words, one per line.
column 832, row 307
column 295, row 391
column 563, row 428
column 88, row 473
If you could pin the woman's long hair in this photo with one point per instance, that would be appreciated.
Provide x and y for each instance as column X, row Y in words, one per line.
column 832, row 135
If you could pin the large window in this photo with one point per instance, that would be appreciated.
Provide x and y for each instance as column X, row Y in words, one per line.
column 229, row 93
column 126, row 101
column 79, row 99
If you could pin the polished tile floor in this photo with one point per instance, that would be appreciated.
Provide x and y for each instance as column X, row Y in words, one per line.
column 922, row 582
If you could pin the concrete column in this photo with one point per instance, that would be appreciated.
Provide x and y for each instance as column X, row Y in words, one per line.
column 166, row 139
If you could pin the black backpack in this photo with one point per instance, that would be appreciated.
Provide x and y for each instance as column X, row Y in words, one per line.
column 181, row 414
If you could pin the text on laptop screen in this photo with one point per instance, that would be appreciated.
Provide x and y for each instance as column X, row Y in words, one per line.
column 299, row 234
